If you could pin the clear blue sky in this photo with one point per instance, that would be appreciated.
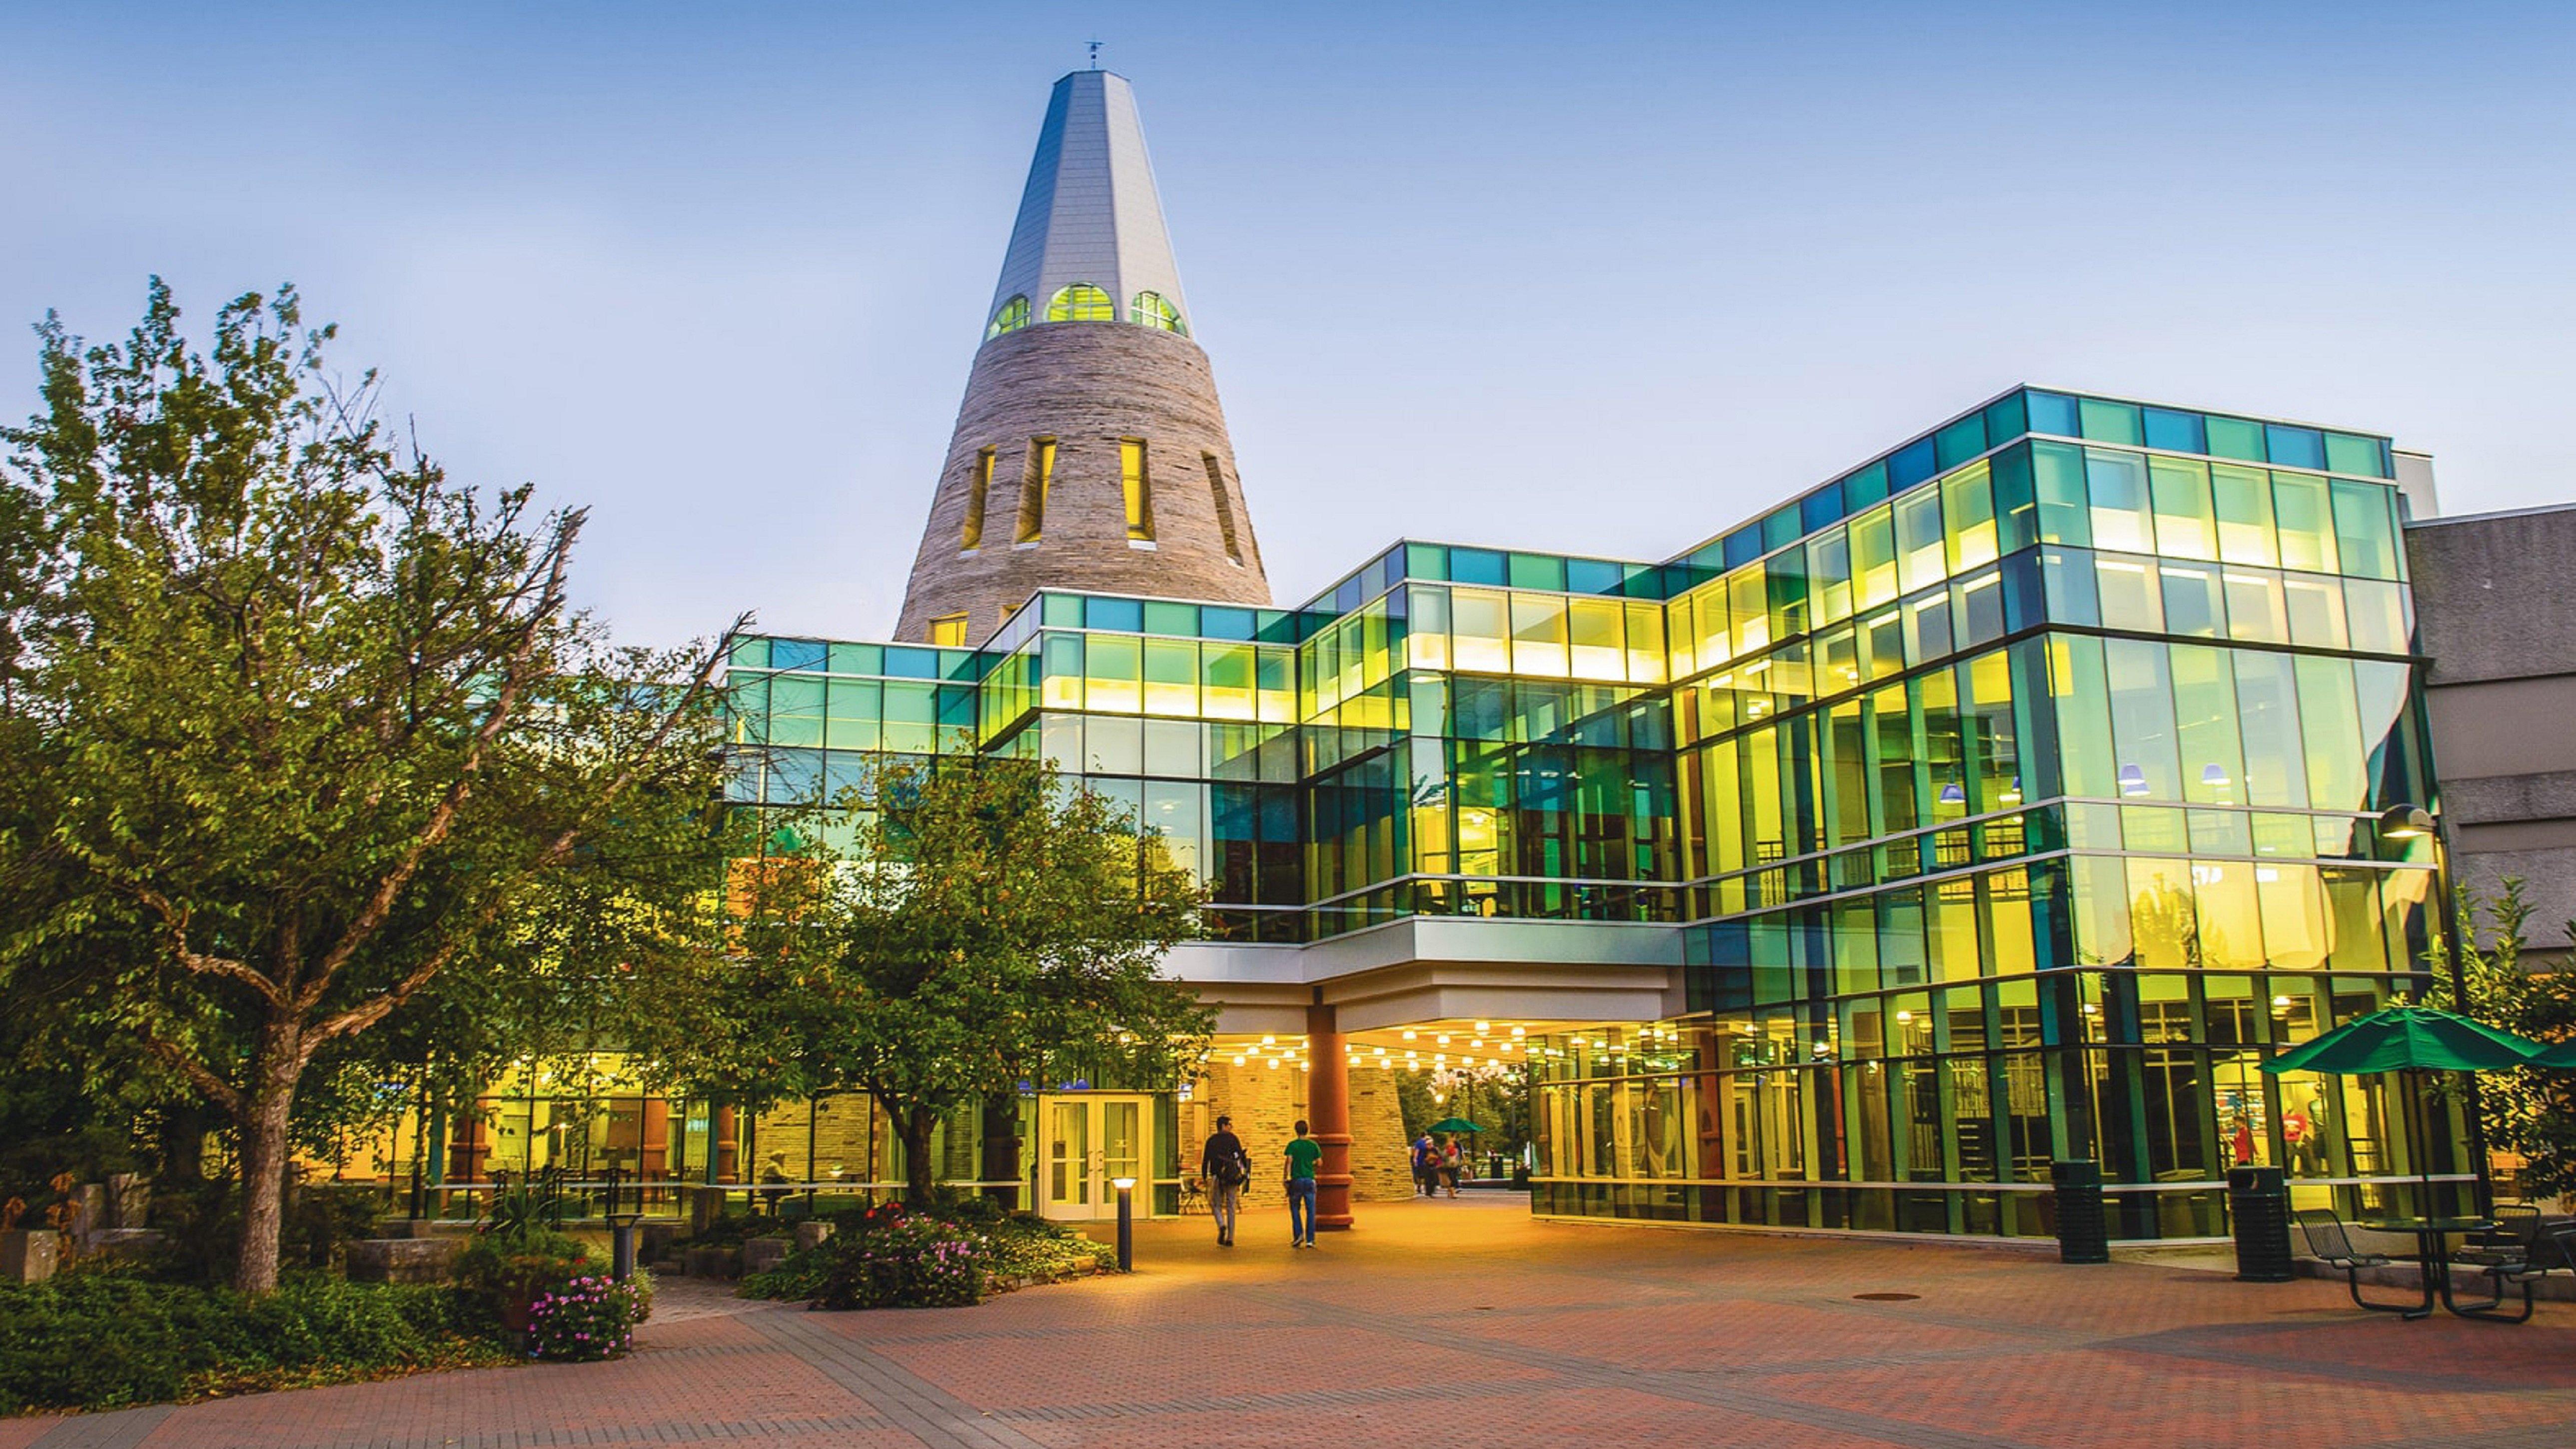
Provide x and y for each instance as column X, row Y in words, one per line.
column 1600, row 278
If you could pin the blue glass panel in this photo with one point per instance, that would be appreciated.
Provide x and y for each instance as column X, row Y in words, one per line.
column 2052, row 412
column 2007, row 418
column 1426, row 561
column 1910, row 465
column 1594, row 576
column 2180, row 432
column 2351, row 453
column 1780, row 529
column 2295, row 447
column 1476, row 566
column 1346, row 595
column 903, row 663
column 1959, row 442
column 1163, row 616
column 797, row 653
column 2111, row 422
column 1744, row 545
column 1124, row 615
column 2235, row 438
column 1820, row 509
column 1537, row 571
column 1864, row 488
column 1219, row 622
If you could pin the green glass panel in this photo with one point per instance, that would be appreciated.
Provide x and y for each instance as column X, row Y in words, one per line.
column 2142, row 719
column 857, row 659
column 1165, row 617
column 2186, row 527
column 2111, row 422
column 751, row 651
column 2117, row 485
column 2352, row 453
column 1426, row 561
column 2330, row 724
column 2213, row 762
column 2065, row 509
column 1959, row 442
column 2082, row 698
column 1538, row 571
column 856, row 705
column 2365, row 529
column 1064, row 611
column 2016, row 505
column 2236, row 438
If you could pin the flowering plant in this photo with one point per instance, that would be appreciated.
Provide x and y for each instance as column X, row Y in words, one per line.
column 584, row 1318
column 906, row 1261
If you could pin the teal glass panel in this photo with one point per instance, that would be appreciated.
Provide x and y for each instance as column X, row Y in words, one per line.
column 2053, row 413
column 1864, row 488
column 1538, row 571
column 2111, row 422
column 1959, row 442
column 2236, row 438
column 1217, row 621
column 2065, row 508
column 1478, row 566
column 2354, row 454
column 2293, row 447
column 1910, row 465
column 751, row 651
column 2194, row 606
column 2068, row 576
column 1426, row 561
column 2365, row 529
column 1163, row 616
column 857, row 659
column 1126, row 616
column 1594, row 576
column 2016, row 505
column 1060, row 611
column 797, row 654
column 1780, row 528
column 2007, row 418
column 2117, row 485
column 2178, row 432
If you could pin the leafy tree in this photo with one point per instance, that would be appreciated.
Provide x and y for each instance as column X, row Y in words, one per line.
column 2530, row 1111
column 983, row 926
column 319, row 733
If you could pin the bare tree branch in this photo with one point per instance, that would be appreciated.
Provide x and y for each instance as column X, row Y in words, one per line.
column 222, row 1093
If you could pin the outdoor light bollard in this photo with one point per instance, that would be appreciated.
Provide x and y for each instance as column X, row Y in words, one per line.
column 1126, row 1222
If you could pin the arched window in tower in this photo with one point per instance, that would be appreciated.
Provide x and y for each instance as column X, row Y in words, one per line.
column 1153, row 309
column 1013, row 316
column 1082, row 302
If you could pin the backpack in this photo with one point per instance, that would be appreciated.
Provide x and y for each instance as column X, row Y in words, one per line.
column 1233, row 1170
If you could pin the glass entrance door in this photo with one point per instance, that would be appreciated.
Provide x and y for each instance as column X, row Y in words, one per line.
column 1091, row 1142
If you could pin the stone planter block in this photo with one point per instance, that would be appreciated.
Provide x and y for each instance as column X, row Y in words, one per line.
column 711, row 1262
column 759, row 1255
column 403, row 1260
column 29, row 1255
column 811, row 1235
column 129, row 1199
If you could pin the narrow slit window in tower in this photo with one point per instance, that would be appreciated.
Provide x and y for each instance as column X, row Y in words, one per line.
column 1138, row 482
column 1224, row 506
column 982, row 486
column 1035, row 474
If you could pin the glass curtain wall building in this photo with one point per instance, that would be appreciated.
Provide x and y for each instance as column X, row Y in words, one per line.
column 2012, row 796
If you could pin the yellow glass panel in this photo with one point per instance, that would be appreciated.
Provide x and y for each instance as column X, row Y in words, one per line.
column 1481, row 631
column 1426, row 637
column 1275, row 670
column 1171, row 676
column 1112, row 666
column 1645, row 644
column 1968, row 511
column 1597, row 632
column 1680, row 629
column 1081, row 302
column 1226, row 691
column 1750, row 609
column 2294, row 916
column 1873, row 558
column 1538, row 635
column 1137, row 485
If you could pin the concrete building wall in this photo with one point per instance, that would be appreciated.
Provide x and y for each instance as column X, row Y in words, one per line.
column 2496, row 615
column 1087, row 386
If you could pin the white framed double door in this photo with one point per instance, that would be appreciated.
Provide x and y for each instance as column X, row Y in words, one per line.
column 1085, row 1144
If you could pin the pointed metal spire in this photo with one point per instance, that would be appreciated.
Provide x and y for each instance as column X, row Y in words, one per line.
column 1090, row 213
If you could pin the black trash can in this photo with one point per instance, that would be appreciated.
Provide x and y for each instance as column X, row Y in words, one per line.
column 2258, row 1206
column 2083, row 1232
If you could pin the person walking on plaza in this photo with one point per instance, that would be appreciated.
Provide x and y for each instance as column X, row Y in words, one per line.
column 1451, row 1162
column 1303, row 1153
column 1225, row 1167
column 1426, row 1166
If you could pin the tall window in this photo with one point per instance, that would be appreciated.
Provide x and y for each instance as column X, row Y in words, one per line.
column 1153, row 309
column 1035, row 474
column 1013, row 316
column 983, row 485
column 1224, row 505
column 1138, row 482
column 1082, row 302
column 948, row 631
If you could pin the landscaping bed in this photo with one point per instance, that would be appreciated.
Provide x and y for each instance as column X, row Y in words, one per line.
column 944, row 1257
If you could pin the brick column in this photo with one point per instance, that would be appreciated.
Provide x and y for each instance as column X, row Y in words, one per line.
column 1328, row 1110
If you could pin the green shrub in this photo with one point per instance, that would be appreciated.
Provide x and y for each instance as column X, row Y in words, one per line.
column 885, row 1257
column 587, row 1318
column 504, row 1273
column 100, row 1340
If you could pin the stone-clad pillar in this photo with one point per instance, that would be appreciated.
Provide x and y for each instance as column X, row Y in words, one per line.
column 1328, row 1110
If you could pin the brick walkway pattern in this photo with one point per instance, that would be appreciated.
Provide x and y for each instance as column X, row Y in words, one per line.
column 1467, row 1323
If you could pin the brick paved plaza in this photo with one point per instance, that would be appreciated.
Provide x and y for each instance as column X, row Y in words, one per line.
column 1468, row 1324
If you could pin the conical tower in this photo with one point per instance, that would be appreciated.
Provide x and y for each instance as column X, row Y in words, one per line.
column 1090, row 452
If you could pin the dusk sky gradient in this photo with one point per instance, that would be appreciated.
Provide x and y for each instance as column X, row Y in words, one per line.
column 1600, row 278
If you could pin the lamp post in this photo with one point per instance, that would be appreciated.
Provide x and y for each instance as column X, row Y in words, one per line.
column 1126, row 1222
column 2407, row 821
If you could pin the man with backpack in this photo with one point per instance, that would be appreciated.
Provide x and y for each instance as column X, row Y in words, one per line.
column 1225, row 1167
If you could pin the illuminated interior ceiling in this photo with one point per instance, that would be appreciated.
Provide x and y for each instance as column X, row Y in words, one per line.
column 1423, row 1046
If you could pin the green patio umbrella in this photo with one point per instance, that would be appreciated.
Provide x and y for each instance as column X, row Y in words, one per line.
column 2409, row 1039
column 1453, row 1124
column 2561, row 1055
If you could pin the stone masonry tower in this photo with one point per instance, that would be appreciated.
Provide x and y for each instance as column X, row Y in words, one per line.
column 1090, row 452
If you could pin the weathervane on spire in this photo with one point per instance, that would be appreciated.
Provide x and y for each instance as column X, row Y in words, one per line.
column 1095, row 54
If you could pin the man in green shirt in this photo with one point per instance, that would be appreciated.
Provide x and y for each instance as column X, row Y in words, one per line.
column 1303, row 1154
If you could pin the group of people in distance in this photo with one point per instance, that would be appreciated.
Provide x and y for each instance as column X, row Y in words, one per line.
column 1225, row 1170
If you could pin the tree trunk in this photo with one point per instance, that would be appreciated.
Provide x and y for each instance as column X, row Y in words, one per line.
column 1001, row 1161
column 266, row 1108
column 920, row 1173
